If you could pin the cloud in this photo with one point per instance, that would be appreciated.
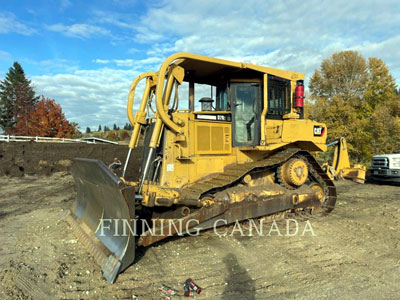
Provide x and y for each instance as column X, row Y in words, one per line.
column 89, row 97
column 386, row 50
column 286, row 34
column 83, row 31
column 5, row 56
column 64, row 4
column 9, row 24
column 53, row 66
column 93, row 97
column 262, row 25
column 123, row 21
column 101, row 61
column 124, row 62
column 147, row 63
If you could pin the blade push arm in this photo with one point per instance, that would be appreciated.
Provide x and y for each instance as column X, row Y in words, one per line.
column 341, row 157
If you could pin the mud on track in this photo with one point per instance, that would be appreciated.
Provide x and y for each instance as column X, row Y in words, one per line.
column 354, row 255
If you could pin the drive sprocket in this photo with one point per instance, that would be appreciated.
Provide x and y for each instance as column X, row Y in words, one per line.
column 293, row 173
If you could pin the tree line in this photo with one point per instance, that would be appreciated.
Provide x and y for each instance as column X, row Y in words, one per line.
column 22, row 112
column 358, row 99
column 127, row 126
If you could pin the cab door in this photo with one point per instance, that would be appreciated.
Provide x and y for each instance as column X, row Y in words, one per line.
column 246, row 112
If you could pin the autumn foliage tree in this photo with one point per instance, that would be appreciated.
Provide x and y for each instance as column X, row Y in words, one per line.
column 49, row 120
column 22, row 114
column 357, row 99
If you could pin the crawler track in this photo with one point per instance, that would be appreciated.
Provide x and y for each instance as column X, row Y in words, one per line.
column 235, row 174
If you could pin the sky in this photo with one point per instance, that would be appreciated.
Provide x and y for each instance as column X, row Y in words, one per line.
column 85, row 54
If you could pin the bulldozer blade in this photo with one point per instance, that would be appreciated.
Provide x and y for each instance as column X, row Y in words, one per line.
column 103, row 210
column 357, row 173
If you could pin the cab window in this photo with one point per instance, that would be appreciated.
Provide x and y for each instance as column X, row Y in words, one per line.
column 222, row 98
column 278, row 96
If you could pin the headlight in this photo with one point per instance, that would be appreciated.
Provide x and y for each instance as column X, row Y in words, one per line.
column 396, row 162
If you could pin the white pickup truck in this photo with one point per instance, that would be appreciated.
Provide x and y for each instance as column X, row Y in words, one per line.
column 385, row 167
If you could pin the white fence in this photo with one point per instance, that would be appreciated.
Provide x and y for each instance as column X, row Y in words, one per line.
column 16, row 138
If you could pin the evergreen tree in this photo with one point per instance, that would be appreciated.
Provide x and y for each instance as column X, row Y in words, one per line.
column 17, row 101
column 115, row 127
column 99, row 128
column 88, row 130
column 128, row 126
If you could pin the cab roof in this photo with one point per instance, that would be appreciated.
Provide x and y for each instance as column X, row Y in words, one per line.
column 213, row 71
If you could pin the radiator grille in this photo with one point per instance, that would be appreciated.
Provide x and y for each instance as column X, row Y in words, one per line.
column 213, row 139
column 380, row 162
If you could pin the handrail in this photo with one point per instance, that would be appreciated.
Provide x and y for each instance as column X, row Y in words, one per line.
column 265, row 109
column 162, row 100
column 131, row 95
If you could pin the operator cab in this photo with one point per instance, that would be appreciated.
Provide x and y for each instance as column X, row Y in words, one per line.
column 238, row 96
column 243, row 98
column 239, row 102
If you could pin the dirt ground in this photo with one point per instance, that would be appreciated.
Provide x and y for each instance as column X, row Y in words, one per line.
column 353, row 255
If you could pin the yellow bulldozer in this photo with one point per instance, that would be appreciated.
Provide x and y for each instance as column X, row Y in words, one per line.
column 244, row 154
